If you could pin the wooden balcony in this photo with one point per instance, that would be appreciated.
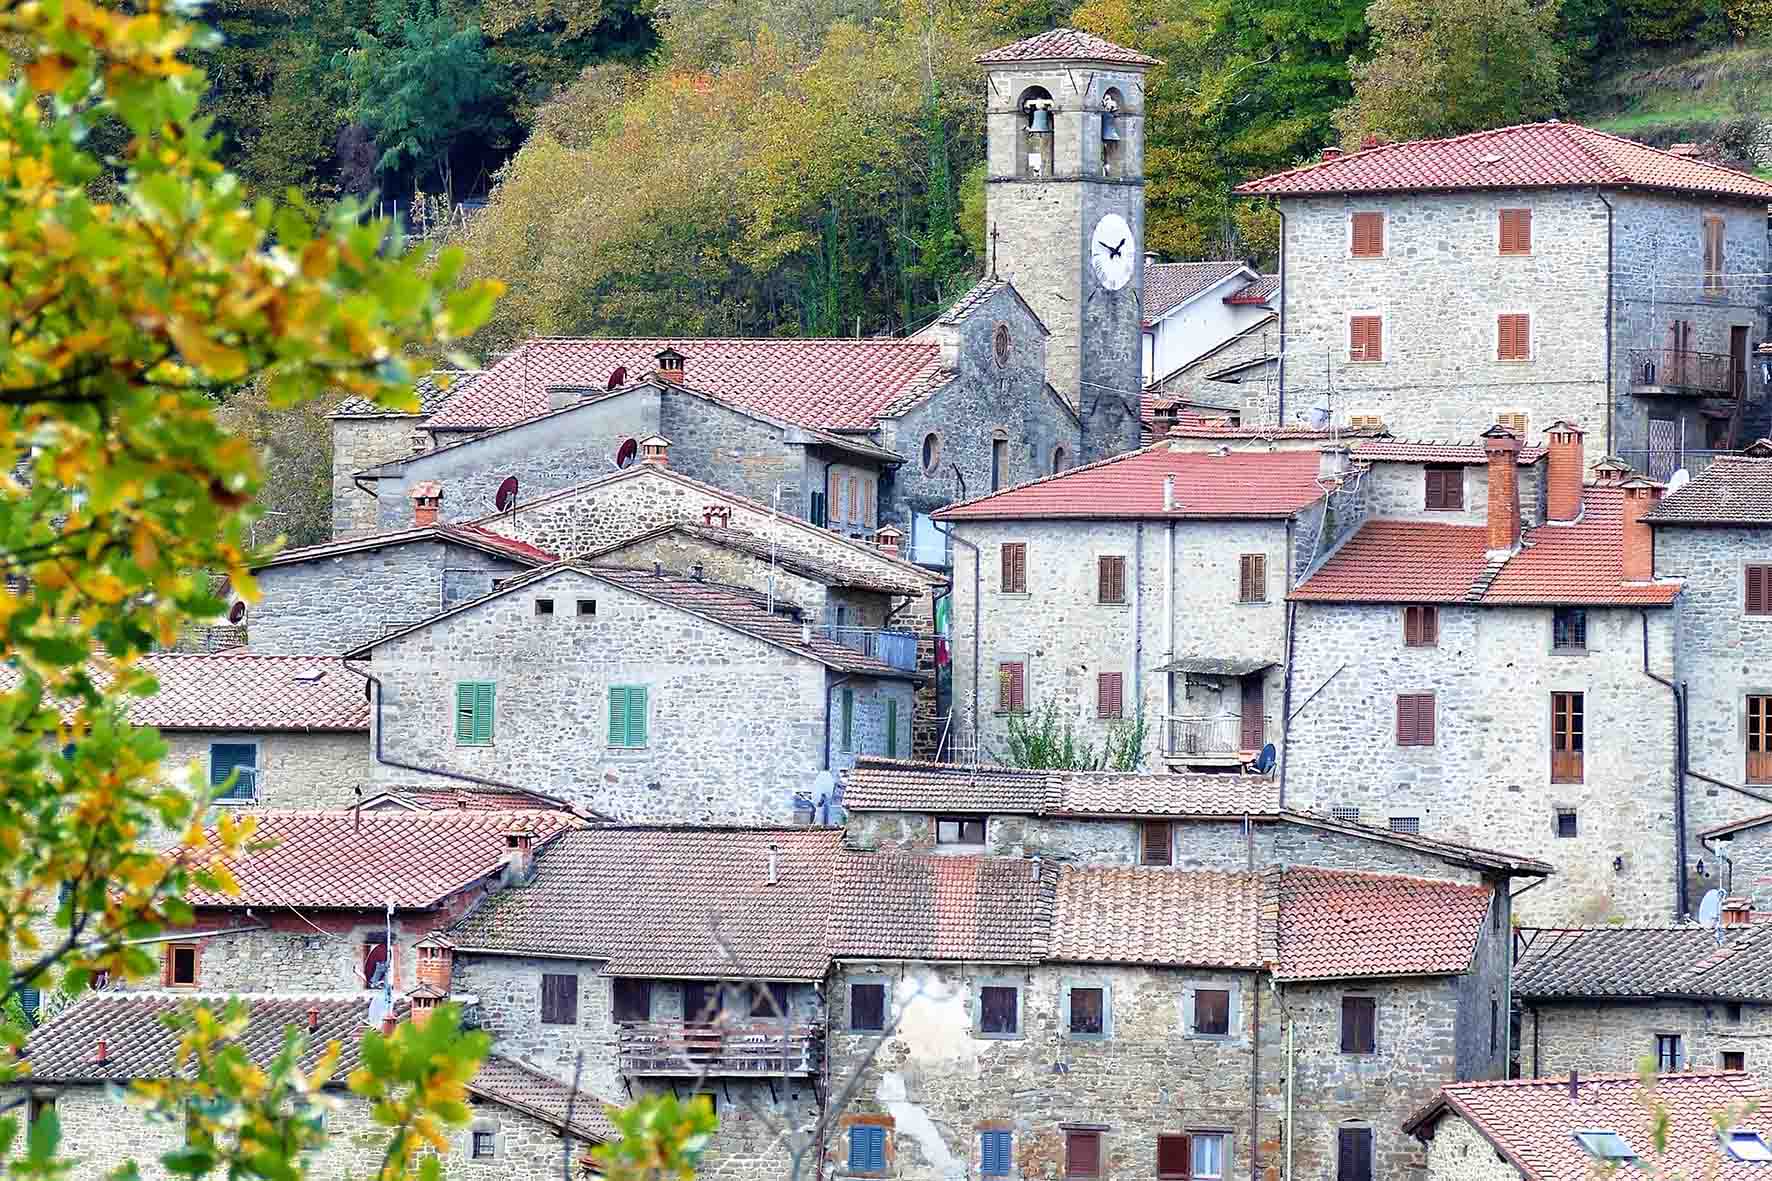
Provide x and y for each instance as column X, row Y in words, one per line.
column 731, row 1049
column 896, row 648
column 1684, row 371
column 1202, row 740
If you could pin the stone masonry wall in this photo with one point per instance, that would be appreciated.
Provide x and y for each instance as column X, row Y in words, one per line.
column 1458, row 1152
column 730, row 450
column 297, row 769
column 869, row 716
column 1596, row 1035
column 1399, row 491
column 1749, row 864
column 359, row 443
column 317, row 952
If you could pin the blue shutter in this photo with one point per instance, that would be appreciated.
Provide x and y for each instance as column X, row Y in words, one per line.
column 994, row 1154
column 877, row 1150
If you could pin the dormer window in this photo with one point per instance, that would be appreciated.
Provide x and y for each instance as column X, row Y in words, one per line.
column 1034, row 147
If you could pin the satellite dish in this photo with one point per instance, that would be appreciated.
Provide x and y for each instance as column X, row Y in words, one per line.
column 1264, row 762
column 1319, row 416
column 1710, row 911
column 822, row 784
column 237, row 613
column 1678, row 480
column 506, row 499
column 619, row 376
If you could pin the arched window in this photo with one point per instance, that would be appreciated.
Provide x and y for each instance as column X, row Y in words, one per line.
column 1058, row 460
column 1034, row 142
column 1113, row 158
column 931, row 452
column 627, row 453
column 1000, row 344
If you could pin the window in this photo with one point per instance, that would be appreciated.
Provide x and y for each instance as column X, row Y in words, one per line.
column 239, row 759
column 1714, row 229
column 1567, row 826
column 1365, row 338
column 999, row 1009
column 1421, row 626
column 959, row 830
column 999, row 463
column 1107, row 695
column 1212, row 1012
column 1759, row 739
column 40, row 1106
column 1011, row 687
column 1743, row 1145
column 892, row 727
column 867, row 1007
column 1668, row 1056
column 1155, row 843
column 631, row 1000
column 1000, row 344
column 1175, row 1158
column 931, row 453
column 1353, row 1154
column 1516, row 231
column 1082, row 1153
column 587, row 607
column 848, row 719
column 1359, row 1025
column 867, row 1148
column 1208, row 1156
column 703, row 1003
column 1252, row 578
column 995, row 1153
column 1366, row 235
column 179, row 968
column 627, row 715
column 485, row 1145
column 1734, row 1059
column 1087, row 1011
column 1406, row 824
column 1443, row 489
column 1732, row 1012
column 772, row 1001
column 1513, row 336
column 1110, row 579
column 1058, row 459
column 544, row 606
column 1514, row 420
column 1608, row 1146
column 1015, row 568
column 1569, row 629
column 1365, row 422
column 473, row 713
column 1568, row 736
column 559, row 998
column 816, row 510
column 375, row 960
column 1345, row 813
column 1415, row 719
column 1758, row 597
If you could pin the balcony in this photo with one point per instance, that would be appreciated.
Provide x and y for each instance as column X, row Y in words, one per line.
column 686, row 1048
column 898, row 649
column 1202, row 740
column 1682, row 371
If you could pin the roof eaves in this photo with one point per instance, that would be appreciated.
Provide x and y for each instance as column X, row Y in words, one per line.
column 1245, row 272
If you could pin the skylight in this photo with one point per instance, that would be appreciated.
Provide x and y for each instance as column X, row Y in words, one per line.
column 311, row 673
column 1749, row 1146
column 1608, row 1146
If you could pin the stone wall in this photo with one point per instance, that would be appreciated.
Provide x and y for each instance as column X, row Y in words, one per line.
column 870, row 713
column 1747, row 868
column 1486, row 779
column 1615, row 1036
column 297, row 769
column 732, row 450
column 1252, row 343
column 1458, row 1152
column 1399, row 491
column 359, row 443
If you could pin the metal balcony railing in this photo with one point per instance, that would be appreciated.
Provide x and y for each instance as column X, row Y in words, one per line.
column 898, row 649
column 244, row 789
column 730, row 1048
column 1686, row 371
column 1662, row 463
column 1215, row 738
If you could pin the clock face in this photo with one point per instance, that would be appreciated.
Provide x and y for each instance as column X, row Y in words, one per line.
column 1112, row 252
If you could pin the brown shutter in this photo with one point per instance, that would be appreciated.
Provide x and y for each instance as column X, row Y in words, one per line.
column 166, row 964
column 1082, row 1154
column 1252, row 578
column 1759, row 590
column 1513, row 337
column 1111, row 579
column 1158, row 840
column 1405, row 720
column 1107, row 695
column 1366, row 338
column 1412, row 626
column 1516, row 231
column 1175, row 1158
column 1424, row 718
column 1368, row 235
column 1430, row 625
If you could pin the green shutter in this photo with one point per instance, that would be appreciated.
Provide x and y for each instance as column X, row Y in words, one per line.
column 473, row 713
column 464, row 712
column 627, row 715
column 618, row 715
column 637, row 715
column 849, row 719
column 483, row 712
column 892, row 727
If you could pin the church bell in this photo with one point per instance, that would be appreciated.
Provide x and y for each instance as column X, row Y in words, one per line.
column 1039, row 120
column 1110, row 128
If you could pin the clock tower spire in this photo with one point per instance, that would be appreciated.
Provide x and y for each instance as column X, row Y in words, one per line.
column 1064, row 203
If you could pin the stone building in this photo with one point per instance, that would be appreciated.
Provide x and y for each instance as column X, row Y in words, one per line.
column 1609, row 998
column 364, row 434
column 1567, row 1129
column 633, row 693
column 1151, row 585
column 1738, row 857
column 518, row 1128
column 1217, row 380
column 1192, row 308
column 1598, row 280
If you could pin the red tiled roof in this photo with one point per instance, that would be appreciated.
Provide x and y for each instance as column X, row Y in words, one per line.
column 348, row 860
column 1266, row 484
column 879, row 784
column 476, row 536
column 1533, row 1122
column 830, row 384
column 1428, row 451
column 1258, row 292
column 1731, row 490
column 470, row 799
column 1214, row 427
column 1065, row 45
column 1338, row 923
column 1142, row 914
column 1531, row 155
column 783, row 554
column 1391, row 561
column 924, row 906
column 515, row 1084
column 243, row 691
column 1168, row 285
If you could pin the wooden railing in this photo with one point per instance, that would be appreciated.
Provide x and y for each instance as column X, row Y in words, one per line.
column 1210, row 737
column 1716, row 374
column 730, row 1048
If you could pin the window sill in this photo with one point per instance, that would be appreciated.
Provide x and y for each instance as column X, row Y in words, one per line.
column 1208, row 1037
column 474, row 745
column 1003, row 594
column 612, row 747
column 1122, row 604
column 999, row 1037
column 1352, row 361
column 1515, row 360
column 1569, row 651
column 1253, row 602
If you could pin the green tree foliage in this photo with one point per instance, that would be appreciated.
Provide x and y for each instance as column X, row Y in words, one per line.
column 1444, row 67
column 1665, row 22
column 1042, row 740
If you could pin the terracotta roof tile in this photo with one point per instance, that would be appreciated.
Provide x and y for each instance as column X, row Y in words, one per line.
column 1258, row 292
column 346, row 860
column 475, row 536
column 1400, row 562
column 1168, row 285
column 1337, row 923
column 1732, row 490
column 505, row 1080
column 1429, row 451
column 1737, row 825
column 244, row 691
column 1211, row 427
column 1579, row 563
column 922, row 906
column 1637, row 962
column 649, row 901
column 1532, row 155
column 830, row 384
column 1258, row 485
column 1533, row 1122
column 785, row 555
column 1149, row 915
column 894, row 785
column 431, row 396
column 472, row 799
column 976, row 297
column 1065, row 45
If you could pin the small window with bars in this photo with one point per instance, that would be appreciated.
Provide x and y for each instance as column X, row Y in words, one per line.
column 1252, row 578
column 1366, row 234
column 1759, row 738
column 1421, row 626
column 1757, row 596
column 1513, row 336
column 1015, row 568
column 1351, row 815
column 1110, row 578
column 1107, row 695
column 1569, row 629
column 1415, row 719
column 1410, row 825
column 1516, row 231
column 1365, row 338
column 1568, row 736
column 1442, row 487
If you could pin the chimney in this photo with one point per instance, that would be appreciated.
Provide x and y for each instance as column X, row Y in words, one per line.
column 1610, row 471
column 1503, row 448
column 1639, row 540
column 1152, row 258
column 1331, row 153
column 1564, row 496
column 655, row 450
column 805, row 632
column 387, row 1025
column 436, row 963
column 889, row 538
column 103, row 1054
column 1574, row 1084
column 716, row 516
column 774, row 863
column 697, row 571
column 519, row 853
column 1169, row 493
column 1737, row 911
column 1369, row 141
column 670, row 366
column 313, row 1020
column 427, row 500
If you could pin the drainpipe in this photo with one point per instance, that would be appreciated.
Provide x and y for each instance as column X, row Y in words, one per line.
column 1138, row 618
column 1168, row 631
column 1290, row 1066
column 1681, row 897
column 1610, row 361
column 1286, row 699
column 1535, row 1042
column 1280, row 419
column 977, row 563
column 1255, row 1078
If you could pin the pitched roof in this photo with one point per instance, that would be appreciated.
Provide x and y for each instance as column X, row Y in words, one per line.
column 431, row 396
column 473, row 536
column 1532, row 1123
column 1393, row 561
column 1639, row 962
column 665, row 901
column 1431, row 451
column 924, row 906
column 138, row 1044
column 1531, row 155
column 1254, row 485
column 1168, row 285
column 1130, row 914
column 1215, row 427
column 787, row 556
column 472, row 799
column 1737, row 826
column 348, row 860
column 1337, row 923
column 978, row 295
column 1258, row 292
column 829, row 384
column 1731, row 490
column 1452, row 852
column 247, row 691
column 517, row 1085
column 894, row 785
column 1065, row 45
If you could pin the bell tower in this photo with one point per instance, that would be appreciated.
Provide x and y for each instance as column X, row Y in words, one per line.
column 1064, row 201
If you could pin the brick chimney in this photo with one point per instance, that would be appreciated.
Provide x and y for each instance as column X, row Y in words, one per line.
column 1331, row 153
column 1564, row 495
column 1640, row 496
column 519, row 853
column 1610, row 471
column 1737, row 911
column 1503, row 449
column 436, row 962
column 427, row 501
column 423, row 1001
column 889, row 538
column 670, row 366
column 387, row 1025
column 655, row 450
column 102, row 1053
column 716, row 516
column 313, row 1019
